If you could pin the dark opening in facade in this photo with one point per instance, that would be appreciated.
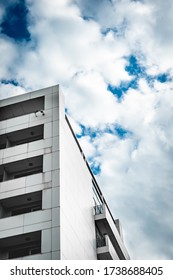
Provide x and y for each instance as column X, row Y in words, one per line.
column 21, row 168
column 20, row 245
column 22, row 108
column 20, row 204
column 21, row 136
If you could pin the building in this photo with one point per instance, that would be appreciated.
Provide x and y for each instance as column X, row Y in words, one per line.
column 51, row 206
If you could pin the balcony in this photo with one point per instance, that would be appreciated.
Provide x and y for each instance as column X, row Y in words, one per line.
column 20, row 204
column 21, row 108
column 20, row 245
column 21, row 168
column 20, row 137
column 107, row 226
column 105, row 249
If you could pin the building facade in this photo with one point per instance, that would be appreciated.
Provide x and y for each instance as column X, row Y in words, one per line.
column 51, row 206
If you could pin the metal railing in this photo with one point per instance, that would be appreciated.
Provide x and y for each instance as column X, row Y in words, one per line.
column 100, row 241
column 98, row 209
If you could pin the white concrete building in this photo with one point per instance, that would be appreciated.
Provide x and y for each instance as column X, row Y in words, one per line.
column 51, row 206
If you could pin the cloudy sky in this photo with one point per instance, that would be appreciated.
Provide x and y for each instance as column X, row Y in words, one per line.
column 114, row 62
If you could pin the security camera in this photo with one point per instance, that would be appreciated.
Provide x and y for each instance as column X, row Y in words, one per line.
column 40, row 111
column 43, row 113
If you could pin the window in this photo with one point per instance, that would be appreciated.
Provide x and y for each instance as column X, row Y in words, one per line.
column 28, row 249
column 21, row 168
column 21, row 108
column 21, row 204
column 21, row 136
column 20, row 245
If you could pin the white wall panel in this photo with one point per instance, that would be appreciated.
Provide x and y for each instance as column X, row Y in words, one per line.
column 37, row 217
column 56, row 217
column 55, row 197
column 55, row 239
column 55, row 114
column 14, row 151
column 36, row 145
column 36, row 227
column 76, row 202
column 47, row 176
column 55, row 100
column 11, row 232
column 46, row 240
column 56, row 255
column 55, row 128
column 55, row 162
column 18, row 120
column 47, row 199
column 55, row 178
column 47, row 130
column 11, row 222
column 34, row 179
column 12, row 184
column 47, row 162
column 48, row 102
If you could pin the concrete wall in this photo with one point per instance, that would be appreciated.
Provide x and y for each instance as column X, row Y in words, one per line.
column 77, row 227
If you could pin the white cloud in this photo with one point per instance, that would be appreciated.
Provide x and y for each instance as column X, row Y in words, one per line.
column 146, row 26
column 89, row 98
column 149, row 31
column 87, row 145
column 9, row 90
column 8, row 55
column 75, row 125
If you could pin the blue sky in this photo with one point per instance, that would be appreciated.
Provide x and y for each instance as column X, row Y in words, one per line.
column 14, row 23
column 114, row 62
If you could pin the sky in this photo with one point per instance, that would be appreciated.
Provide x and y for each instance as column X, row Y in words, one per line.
column 114, row 62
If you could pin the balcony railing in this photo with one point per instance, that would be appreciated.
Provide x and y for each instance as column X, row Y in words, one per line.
column 105, row 249
column 100, row 241
column 107, row 226
column 98, row 209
